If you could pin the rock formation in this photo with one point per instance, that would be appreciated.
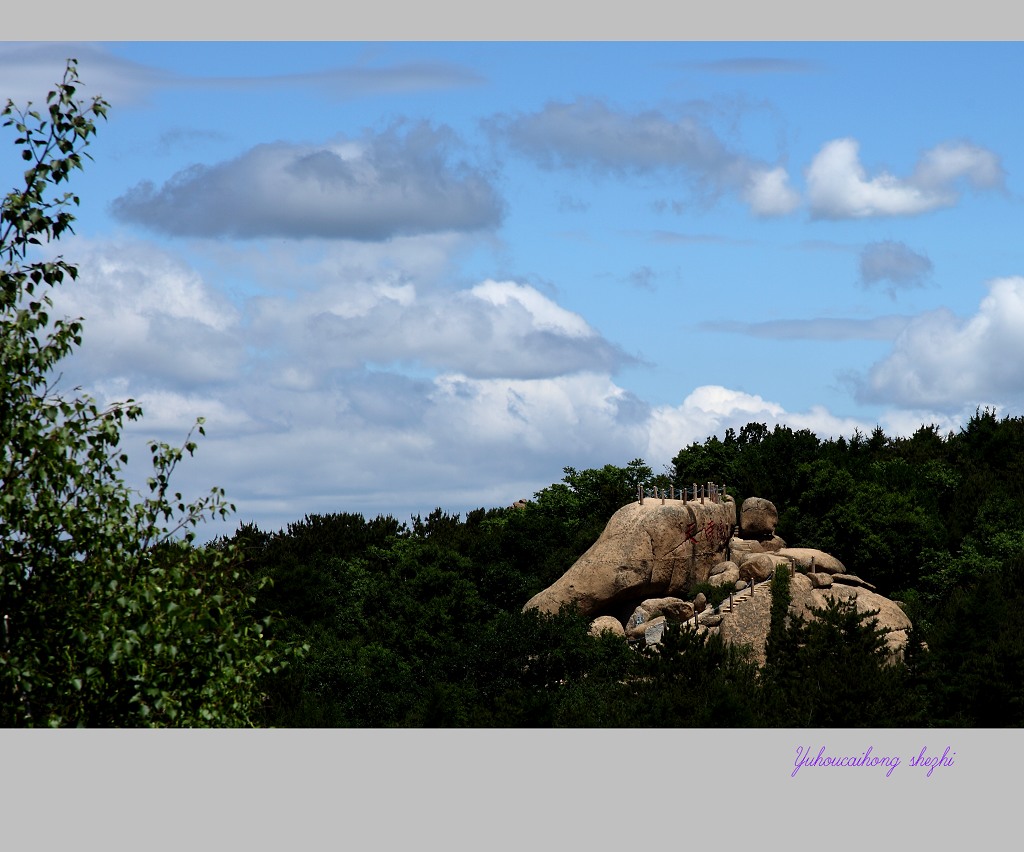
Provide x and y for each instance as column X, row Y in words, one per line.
column 748, row 623
column 654, row 549
column 640, row 572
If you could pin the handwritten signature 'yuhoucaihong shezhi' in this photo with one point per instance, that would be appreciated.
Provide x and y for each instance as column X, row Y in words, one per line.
column 803, row 758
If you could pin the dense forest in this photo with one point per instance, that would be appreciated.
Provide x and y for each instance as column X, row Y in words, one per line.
column 421, row 623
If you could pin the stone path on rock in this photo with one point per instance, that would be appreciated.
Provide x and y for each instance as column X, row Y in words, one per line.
column 741, row 597
column 738, row 598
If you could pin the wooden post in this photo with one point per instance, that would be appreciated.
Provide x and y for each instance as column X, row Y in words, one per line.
column 640, row 493
column 672, row 492
column 730, row 601
column 662, row 496
column 812, row 564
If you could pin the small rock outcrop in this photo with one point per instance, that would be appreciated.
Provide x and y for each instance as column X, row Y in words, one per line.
column 606, row 624
column 748, row 623
column 890, row 616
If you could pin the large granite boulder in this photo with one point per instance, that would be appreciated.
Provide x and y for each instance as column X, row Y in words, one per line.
column 727, row 576
column 802, row 558
column 760, row 566
column 758, row 518
column 674, row 609
column 647, row 550
column 741, row 549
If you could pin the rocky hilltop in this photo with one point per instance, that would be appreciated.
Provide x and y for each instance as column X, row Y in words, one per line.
column 642, row 570
column 652, row 548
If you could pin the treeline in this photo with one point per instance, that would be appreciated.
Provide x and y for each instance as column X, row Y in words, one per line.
column 421, row 623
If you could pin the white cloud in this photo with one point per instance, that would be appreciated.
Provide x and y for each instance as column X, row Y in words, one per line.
column 544, row 313
column 495, row 329
column 946, row 163
column 943, row 362
column 711, row 409
column 374, row 391
column 360, row 379
column 769, row 194
column 838, row 186
column 905, row 422
column 146, row 311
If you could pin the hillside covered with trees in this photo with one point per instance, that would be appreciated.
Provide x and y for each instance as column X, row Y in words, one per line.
column 421, row 624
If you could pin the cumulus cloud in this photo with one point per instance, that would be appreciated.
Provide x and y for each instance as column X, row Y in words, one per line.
column 769, row 194
column 493, row 329
column 838, row 186
column 150, row 315
column 399, row 182
column 148, row 312
column 373, row 390
column 944, row 362
column 366, row 389
column 949, row 162
column 895, row 263
column 711, row 409
column 588, row 134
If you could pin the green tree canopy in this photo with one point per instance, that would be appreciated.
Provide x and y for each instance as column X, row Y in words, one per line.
column 110, row 617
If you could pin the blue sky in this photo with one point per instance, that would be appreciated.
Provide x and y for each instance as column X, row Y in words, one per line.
column 396, row 276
